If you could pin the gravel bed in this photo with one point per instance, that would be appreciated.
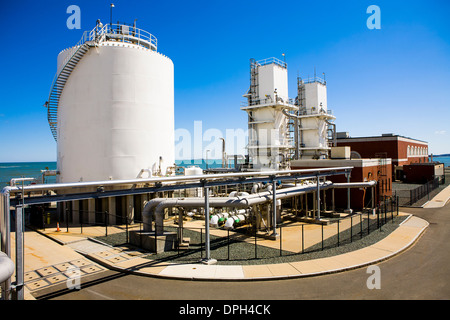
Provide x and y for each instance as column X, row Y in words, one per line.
column 233, row 252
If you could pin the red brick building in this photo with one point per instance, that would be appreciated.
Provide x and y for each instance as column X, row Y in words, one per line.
column 363, row 170
column 401, row 150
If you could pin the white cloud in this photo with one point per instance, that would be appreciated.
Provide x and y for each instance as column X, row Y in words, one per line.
column 441, row 132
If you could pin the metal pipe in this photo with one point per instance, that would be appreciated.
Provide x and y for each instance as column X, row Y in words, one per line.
column 13, row 181
column 156, row 206
column 346, row 185
column 206, row 177
column 6, row 269
column 318, row 198
column 207, row 242
column 5, row 231
column 274, row 208
column 334, row 132
column 348, row 192
column 224, row 157
column 19, row 253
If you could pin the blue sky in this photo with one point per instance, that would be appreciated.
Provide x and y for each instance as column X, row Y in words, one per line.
column 392, row 80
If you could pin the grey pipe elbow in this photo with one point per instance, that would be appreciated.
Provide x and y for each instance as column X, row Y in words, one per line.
column 6, row 267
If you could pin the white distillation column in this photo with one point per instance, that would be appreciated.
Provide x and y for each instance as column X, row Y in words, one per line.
column 313, row 119
column 269, row 143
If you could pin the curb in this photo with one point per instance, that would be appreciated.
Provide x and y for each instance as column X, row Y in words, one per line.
column 131, row 270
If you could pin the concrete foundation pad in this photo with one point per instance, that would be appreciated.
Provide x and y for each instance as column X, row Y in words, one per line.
column 148, row 241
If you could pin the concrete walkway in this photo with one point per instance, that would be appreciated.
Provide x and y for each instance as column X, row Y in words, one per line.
column 404, row 236
column 439, row 200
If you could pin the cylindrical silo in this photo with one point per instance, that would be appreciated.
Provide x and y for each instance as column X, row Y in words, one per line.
column 115, row 114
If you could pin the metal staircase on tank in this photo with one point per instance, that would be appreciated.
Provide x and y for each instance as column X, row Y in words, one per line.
column 89, row 39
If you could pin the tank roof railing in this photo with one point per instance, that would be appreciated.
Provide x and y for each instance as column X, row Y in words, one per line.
column 131, row 34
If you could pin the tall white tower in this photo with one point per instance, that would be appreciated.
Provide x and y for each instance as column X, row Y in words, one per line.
column 269, row 144
column 111, row 107
column 281, row 129
column 314, row 120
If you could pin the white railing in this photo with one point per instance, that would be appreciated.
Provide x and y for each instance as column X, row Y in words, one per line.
column 131, row 34
column 272, row 60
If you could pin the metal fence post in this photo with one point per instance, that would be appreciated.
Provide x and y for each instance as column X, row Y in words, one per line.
column 126, row 229
column 360, row 225
column 398, row 199
column 378, row 217
column 19, row 253
column 228, row 241
column 351, row 228
column 67, row 220
column 322, row 236
column 303, row 239
column 338, row 233
column 156, row 236
column 256, row 247
column 281, row 232
column 207, row 239
column 106, row 223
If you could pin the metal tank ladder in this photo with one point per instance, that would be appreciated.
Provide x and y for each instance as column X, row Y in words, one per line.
column 89, row 39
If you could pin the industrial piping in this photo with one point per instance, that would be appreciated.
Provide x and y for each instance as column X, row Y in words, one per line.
column 157, row 206
column 6, row 267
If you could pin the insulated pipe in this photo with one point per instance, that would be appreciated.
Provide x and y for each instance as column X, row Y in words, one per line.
column 274, row 208
column 159, row 204
column 6, row 267
column 157, row 208
column 5, row 228
column 207, row 177
column 346, row 185
column 255, row 188
column 13, row 181
column 334, row 132
column 187, row 203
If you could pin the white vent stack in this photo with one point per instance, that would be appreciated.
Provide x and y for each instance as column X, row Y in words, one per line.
column 111, row 107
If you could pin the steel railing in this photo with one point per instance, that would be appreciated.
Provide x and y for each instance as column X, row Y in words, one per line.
column 243, row 243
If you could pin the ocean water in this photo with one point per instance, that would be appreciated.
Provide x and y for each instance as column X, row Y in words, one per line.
column 445, row 160
column 11, row 170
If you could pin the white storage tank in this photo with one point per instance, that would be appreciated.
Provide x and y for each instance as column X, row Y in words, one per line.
column 115, row 114
column 194, row 171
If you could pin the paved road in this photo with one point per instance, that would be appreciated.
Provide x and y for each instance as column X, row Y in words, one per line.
column 421, row 272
